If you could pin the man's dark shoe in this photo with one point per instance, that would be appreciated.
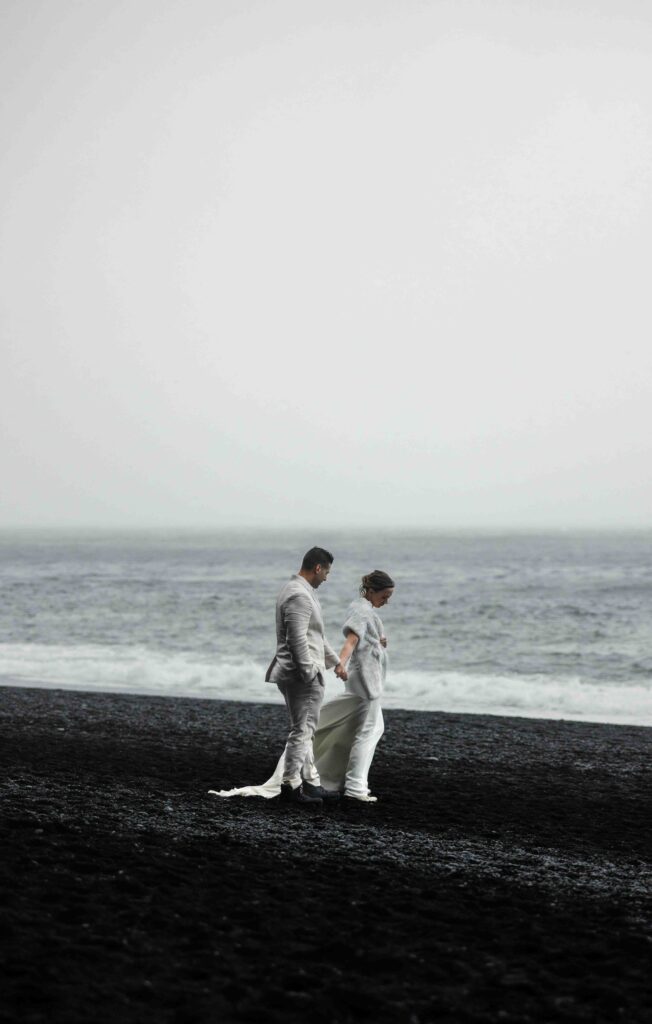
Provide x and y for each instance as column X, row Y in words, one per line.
column 324, row 794
column 297, row 796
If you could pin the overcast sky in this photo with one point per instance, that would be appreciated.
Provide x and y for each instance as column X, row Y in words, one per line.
column 289, row 262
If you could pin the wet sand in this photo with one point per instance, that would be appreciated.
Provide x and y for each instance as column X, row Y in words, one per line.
column 504, row 874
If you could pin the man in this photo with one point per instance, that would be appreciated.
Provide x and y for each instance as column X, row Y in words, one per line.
column 302, row 657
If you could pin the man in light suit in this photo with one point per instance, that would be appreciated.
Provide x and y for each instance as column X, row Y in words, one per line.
column 302, row 657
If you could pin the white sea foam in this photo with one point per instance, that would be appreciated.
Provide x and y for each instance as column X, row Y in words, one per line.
column 532, row 696
column 145, row 671
column 131, row 670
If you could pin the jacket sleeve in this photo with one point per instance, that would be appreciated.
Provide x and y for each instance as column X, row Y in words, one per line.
column 330, row 657
column 297, row 614
column 357, row 621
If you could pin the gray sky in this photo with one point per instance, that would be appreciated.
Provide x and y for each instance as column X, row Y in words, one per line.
column 290, row 262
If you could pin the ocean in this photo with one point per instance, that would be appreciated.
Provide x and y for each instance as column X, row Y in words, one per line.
column 555, row 625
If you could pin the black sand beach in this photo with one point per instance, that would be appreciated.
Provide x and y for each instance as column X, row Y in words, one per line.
column 504, row 874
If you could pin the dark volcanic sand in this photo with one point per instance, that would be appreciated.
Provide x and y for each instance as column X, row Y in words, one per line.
column 503, row 876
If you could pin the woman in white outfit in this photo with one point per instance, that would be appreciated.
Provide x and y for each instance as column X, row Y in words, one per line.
column 351, row 725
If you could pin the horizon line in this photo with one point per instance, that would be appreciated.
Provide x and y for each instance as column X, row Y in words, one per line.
column 324, row 528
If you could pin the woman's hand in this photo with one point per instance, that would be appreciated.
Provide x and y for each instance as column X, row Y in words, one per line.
column 383, row 641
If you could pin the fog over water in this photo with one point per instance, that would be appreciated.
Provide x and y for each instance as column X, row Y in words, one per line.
column 293, row 263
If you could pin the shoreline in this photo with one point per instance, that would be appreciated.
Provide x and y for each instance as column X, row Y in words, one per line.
column 503, row 875
column 12, row 682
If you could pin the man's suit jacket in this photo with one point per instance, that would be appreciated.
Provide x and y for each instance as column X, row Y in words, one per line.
column 302, row 650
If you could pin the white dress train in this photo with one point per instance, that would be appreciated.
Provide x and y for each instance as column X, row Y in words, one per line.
column 343, row 746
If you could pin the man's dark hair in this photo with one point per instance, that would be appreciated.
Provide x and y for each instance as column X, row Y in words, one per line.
column 316, row 556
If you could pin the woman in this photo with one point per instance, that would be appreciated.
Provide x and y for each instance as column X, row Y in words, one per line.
column 351, row 725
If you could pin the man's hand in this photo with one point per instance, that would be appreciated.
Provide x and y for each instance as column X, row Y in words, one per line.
column 341, row 672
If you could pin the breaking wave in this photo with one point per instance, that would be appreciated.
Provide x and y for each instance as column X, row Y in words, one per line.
column 142, row 670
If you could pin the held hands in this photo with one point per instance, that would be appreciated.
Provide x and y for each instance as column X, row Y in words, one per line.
column 341, row 672
column 383, row 641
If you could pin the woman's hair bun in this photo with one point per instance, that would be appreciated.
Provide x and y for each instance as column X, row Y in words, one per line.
column 376, row 580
